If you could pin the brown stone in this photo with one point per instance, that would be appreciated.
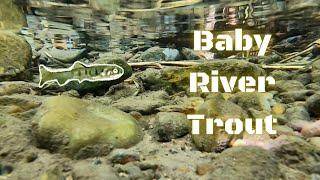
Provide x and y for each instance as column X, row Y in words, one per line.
column 311, row 130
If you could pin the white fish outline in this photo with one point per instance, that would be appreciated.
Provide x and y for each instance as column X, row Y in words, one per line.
column 117, row 76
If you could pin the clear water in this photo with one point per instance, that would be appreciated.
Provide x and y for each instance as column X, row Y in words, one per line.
column 109, row 24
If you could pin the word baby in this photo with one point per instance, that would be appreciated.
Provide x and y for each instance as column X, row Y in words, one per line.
column 225, row 42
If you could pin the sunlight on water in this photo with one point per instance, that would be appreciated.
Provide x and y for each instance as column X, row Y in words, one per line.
column 109, row 24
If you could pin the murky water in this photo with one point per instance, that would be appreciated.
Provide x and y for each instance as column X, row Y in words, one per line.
column 104, row 25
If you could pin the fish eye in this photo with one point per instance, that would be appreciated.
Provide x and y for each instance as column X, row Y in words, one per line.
column 115, row 71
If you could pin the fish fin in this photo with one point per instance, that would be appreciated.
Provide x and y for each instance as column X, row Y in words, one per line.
column 44, row 75
column 78, row 64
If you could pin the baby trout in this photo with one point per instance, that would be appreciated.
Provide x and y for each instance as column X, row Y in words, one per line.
column 79, row 72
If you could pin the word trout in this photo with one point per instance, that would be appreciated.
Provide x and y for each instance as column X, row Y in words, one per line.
column 228, row 125
column 225, row 42
column 79, row 72
column 245, row 83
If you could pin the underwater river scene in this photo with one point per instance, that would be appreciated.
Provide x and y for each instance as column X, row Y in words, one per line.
column 159, row 89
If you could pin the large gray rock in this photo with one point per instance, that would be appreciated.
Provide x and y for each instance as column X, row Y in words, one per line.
column 170, row 125
column 250, row 163
column 11, row 16
column 297, row 113
column 83, row 129
column 216, row 108
column 15, row 56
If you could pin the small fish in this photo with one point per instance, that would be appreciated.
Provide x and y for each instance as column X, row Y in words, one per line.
column 80, row 72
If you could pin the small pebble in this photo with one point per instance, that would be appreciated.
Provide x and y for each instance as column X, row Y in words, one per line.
column 202, row 169
column 31, row 157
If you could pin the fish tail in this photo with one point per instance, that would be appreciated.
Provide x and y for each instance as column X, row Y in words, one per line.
column 44, row 75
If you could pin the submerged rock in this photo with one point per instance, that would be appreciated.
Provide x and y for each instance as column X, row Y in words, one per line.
column 17, row 87
column 83, row 129
column 87, row 170
column 300, row 4
column 279, row 75
column 313, row 104
column 178, row 78
column 297, row 125
column 11, row 16
column 191, row 54
column 5, row 169
column 151, row 79
column 216, row 108
column 123, row 156
column 304, row 78
column 109, row 7
column 316, row 142
column 146, row 103
column 67, row 56
column 313, row 86
column 311, row 130
column 245, row 163
column 285, row 130
column 171, row 54
column 316, row 65
column 279, row 109
column 20, row 103
column 15, row 56
column 257, row 101
column 260, row 140
column 170, row 125
column 289, row 85
column 292, row 174
column 299, row 95
column 316, row 76
column 296, row 153
column 153, row 54
column 297, row 113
